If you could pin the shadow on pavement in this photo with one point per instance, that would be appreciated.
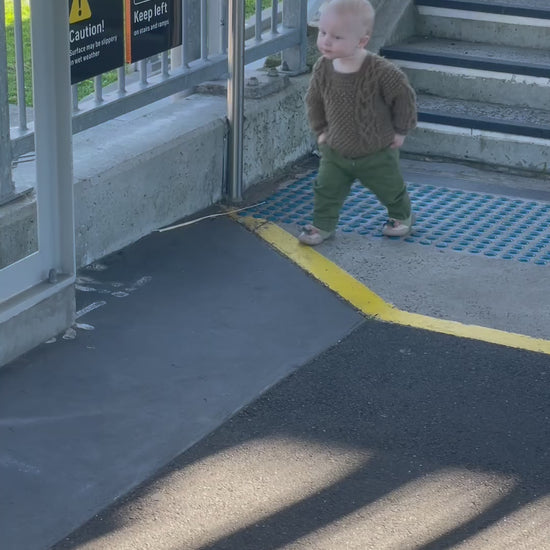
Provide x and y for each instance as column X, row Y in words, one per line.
column 417, row 407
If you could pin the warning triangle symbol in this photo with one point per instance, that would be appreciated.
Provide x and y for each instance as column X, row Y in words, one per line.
column 80, row 11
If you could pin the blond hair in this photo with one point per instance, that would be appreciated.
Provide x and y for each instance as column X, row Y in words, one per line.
column 361, row 9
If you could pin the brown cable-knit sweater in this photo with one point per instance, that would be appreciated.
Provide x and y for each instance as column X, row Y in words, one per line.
column 360, row 112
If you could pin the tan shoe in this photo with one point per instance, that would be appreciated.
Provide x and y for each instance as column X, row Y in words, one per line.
column 312, row 236
column 398, row 228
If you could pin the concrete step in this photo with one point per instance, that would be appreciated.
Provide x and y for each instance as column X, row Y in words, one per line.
column 472, row 55
column 521, row 8
column 519, row 121
column 491, row 149
column 475, row 71
column 476, row 84
column 522, row 24
column 482, row 75
column 504, row 136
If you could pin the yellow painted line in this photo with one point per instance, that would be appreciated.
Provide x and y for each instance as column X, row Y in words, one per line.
column 369, row 303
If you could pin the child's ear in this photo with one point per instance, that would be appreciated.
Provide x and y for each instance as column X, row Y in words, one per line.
column 364, row 41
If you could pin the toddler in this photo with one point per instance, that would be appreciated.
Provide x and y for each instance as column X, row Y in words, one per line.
column 360, row 106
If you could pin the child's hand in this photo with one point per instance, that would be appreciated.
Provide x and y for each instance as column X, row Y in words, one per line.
column 322, row 138
column 398, row 141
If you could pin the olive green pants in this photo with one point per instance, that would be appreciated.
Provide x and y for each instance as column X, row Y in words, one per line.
column 378, row 172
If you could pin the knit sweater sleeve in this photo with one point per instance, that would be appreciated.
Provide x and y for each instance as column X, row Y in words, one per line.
column 400, row 97
column 314, row 101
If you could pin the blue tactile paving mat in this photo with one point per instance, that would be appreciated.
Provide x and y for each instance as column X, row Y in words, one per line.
column 461, row 221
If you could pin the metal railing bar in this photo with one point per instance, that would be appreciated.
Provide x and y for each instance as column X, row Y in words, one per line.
column 204, row 30
column 143, row 72
column 74, row 95
column 235, row 99
column 258, row 24
column 223, row 27
column 275, row 17
column 98, row 88
column 121, row 79
column 20, row 65
column 184, row 48
column 138, row 95
column 165, row 65
column 6, row 154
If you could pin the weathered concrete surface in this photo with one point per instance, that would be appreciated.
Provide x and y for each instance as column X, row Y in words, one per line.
column 474, row 85
column 501, row 294
column 505, row 33
column 18, row 230
column 36, row 324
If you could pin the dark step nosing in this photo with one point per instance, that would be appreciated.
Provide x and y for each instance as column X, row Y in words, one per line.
column 496, row 8
column 486, row 124
column 466, row 61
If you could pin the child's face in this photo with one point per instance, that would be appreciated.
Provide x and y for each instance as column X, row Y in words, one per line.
column 339, row 35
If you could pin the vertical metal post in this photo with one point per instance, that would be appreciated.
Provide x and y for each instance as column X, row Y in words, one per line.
column 6, row 183
column 164, row 65
column 204, row 30
column 191, row 18
column 74, row 94
column 20, row 65
column 98, row 88
column 215, row 22
column 143, row 73
column 295, row 15
column 224, row 31
column 53, row 134
column 235, row 98
column 121, row 73
column 274, row 17
column 258, row 24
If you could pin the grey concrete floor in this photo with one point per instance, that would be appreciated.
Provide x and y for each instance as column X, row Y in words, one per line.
column 176, row 333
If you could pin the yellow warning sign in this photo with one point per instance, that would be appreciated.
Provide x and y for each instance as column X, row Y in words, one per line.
column 80, row 11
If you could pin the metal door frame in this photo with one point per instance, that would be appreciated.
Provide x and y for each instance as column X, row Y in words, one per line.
column 52, row 268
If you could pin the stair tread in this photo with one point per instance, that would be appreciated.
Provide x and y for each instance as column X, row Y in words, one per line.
column 527, row 8
column 479, row 114
column 473, row 55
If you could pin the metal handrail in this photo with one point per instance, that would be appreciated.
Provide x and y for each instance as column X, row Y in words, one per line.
column 175, row 75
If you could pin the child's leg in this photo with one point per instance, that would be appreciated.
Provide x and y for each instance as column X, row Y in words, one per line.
column 331, row 189
column 381, row 174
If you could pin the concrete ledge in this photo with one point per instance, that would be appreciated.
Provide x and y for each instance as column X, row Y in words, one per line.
column 18, row 230
column 151, row 167
column 258, row 84
column 36, row 324
column 144, row 170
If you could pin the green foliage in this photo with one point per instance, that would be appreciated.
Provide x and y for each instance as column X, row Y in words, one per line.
column 250, row 6
column 84, row 89
column 10, row 45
